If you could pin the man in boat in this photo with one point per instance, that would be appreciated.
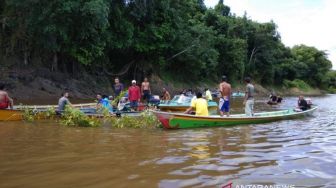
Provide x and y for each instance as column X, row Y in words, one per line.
column 225, row 90
column 200, row 105
column 302, row 103
column 165, row 95
column 117, row 87
column 145, row 90
column 62, row 102
column 279, row 99
column 208, row 95
column 134, row 95
column 103, row 102
column 272, row 99
column 5, row 100
column 249, row 97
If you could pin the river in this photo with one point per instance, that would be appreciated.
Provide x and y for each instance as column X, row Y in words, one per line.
column 299, row 153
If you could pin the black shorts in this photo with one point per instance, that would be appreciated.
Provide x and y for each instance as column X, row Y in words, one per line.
column 146, row 95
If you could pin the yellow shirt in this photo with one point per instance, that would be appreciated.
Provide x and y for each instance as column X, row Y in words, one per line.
column 208, row 95
column 201, row 106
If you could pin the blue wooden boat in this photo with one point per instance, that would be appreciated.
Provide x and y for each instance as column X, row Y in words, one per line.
column 181, row 103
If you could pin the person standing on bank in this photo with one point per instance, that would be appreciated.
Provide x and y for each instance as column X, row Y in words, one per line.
column 249, row 97
column 134, row 95
column 225, row 90
column 145, row 90
column 5, row 100
column 117, row 87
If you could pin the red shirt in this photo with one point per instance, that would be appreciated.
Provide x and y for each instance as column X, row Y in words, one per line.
column 4, row 103
column 134, row 93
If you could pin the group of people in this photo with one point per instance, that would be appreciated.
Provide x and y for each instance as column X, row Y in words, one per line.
column 201, row 105
column 133, row 95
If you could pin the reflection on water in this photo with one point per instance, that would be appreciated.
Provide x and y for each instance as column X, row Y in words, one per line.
column 299, row 152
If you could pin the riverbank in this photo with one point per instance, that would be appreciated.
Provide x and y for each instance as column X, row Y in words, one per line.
column 43, row 86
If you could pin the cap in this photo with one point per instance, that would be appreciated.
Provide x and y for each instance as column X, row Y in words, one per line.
column 133, row 82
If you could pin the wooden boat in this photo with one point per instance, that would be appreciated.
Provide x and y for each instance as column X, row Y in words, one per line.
column 18, row 115
column 181, row 103
column 181, row 121
column 44, row 107
column 11, row 115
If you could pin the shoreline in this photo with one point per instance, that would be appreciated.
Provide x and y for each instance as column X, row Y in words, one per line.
column 36, row 89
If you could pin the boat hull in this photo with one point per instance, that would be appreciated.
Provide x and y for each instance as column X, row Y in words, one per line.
column 10, row 115
column 44, row 107
column 182, row 121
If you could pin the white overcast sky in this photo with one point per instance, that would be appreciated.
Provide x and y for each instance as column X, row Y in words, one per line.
column 309, row 22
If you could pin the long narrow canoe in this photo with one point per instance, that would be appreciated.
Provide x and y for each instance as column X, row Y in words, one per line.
column 11, row 115
column 44, row 107
column 18, row 115
column 181, row 121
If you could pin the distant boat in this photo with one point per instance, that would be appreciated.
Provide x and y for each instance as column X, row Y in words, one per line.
column 238, row 94
column 182, row 121
column 181, row 103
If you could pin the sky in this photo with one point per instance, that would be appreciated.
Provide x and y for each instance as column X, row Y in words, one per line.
column 309, row 22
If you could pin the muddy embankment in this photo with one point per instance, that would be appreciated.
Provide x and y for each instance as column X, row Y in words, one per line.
column 41, row 86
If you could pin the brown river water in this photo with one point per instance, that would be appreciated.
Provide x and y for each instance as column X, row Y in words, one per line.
column 296, row 153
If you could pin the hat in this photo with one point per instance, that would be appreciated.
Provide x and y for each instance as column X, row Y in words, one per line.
column 133, row 82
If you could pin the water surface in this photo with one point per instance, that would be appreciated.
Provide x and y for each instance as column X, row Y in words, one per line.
column 296, row 152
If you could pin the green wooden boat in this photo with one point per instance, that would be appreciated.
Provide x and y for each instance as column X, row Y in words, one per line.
column 182, row 121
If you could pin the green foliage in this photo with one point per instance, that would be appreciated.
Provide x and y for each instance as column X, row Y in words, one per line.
column 28, row 114
column 300, row 84
column 73, row 117
column 49, row 113
column 183, row 40
column 118, row 98
column 146, row 120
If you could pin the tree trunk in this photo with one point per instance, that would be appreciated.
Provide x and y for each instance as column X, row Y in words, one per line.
column 54, row 65
column 25, row 58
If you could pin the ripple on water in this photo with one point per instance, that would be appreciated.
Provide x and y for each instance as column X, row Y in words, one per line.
column 172, row 160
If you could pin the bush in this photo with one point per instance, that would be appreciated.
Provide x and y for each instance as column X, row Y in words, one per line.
column 300, row 84
column 332, row 90
column 74, row 117
column 146, row 120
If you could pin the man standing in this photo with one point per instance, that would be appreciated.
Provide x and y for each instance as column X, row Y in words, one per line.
column 200, row 105
column 63, row 101
column 134, row 95
column 5, row 100
column 249, row 97
column 225, row 90
column 145, row 90
column 117, row 87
